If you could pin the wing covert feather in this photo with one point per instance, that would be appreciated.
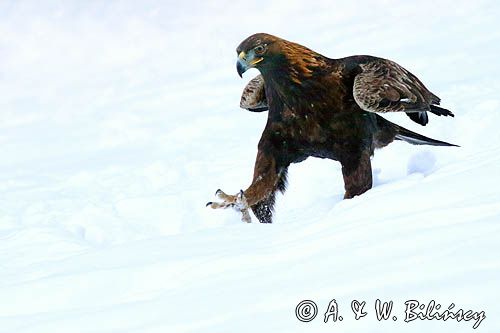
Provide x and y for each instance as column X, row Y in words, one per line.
column 253, row 97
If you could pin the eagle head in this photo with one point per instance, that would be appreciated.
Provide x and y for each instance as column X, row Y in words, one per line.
column 257, row 51
column 278, row 58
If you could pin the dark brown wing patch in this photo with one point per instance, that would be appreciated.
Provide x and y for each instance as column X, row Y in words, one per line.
column 384, row 86
column 254, row 96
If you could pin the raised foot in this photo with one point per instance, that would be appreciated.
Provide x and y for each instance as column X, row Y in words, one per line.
column 237, row 201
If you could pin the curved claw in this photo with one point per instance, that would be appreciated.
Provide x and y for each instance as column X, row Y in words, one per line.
column 209, row 203
column 218, row 191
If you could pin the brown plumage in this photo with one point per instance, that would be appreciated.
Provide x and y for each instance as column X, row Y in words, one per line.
column 324, row 108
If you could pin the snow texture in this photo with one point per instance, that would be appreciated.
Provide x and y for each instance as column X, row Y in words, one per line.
column 119, row 120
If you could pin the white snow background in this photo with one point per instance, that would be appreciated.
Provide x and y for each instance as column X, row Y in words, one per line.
column 119, row 120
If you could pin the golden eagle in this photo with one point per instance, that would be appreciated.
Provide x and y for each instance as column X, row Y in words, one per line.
column 324, row 108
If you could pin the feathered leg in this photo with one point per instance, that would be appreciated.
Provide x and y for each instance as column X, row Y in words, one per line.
column 357, row 173
column 264, row 209
column 269, row 176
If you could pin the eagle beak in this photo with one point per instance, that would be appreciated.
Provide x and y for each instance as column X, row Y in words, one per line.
column 246, row 61
column 240, row 68
column 241, row 64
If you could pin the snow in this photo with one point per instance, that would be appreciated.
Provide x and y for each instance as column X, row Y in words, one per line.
column 119, row 120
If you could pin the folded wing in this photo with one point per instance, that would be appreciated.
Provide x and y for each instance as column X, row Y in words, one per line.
column 254, row 96
column 384, row 86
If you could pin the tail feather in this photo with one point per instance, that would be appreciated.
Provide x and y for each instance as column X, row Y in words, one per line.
column 418, row 139
column 441, row 111
column 388, row 131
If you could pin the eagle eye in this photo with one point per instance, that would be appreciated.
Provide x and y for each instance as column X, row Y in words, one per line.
column 259, row 49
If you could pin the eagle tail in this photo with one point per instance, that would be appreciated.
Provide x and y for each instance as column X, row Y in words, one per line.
column 417, row 139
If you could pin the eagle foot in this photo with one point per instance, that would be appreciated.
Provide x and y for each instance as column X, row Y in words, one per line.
column 238, row 202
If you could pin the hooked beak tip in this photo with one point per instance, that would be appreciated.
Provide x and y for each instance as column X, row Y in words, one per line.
column 240, row 68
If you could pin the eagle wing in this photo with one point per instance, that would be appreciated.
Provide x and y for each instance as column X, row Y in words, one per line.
column 384, row 86
column 254, row 96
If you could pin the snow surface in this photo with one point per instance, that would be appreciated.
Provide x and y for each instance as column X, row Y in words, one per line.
column 119, row 120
